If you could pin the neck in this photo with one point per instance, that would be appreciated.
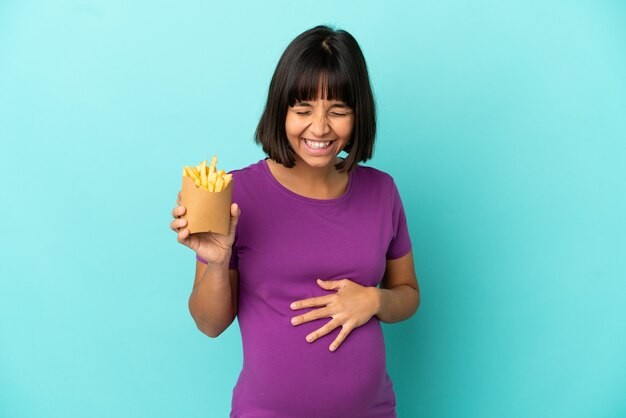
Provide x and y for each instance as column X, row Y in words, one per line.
column 306, row 176
column 315, row 176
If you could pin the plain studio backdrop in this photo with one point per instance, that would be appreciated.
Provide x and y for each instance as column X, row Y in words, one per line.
column 503, row 124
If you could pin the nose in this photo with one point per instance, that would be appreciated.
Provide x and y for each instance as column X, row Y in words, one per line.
column 319, row 126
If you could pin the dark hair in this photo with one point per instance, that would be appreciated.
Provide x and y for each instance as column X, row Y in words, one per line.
column 334, row 58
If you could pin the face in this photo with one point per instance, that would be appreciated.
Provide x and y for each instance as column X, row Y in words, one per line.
column 318, row 130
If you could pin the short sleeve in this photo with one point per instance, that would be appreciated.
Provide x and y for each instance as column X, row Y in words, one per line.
column 401, row 242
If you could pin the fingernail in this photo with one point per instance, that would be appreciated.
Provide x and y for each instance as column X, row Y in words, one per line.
column 333, row 347
column 294, row 321
column 309, row 338
column 293, row 306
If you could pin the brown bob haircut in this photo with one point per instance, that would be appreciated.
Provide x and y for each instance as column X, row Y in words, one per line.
column 326, row 58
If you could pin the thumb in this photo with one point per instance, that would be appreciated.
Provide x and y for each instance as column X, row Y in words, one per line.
column 235, row 211
column 329, row 284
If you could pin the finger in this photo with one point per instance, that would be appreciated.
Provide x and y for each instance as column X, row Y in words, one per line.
column 179, row 199
column 183, row 236
column 312, row 302
column 329, row 327
column 177, row 224
column 311, row 316
column 345, row 330
column 179, row 211
column 330, row 284
column 235, row 212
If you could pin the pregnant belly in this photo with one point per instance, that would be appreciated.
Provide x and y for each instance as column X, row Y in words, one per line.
column 283, row 375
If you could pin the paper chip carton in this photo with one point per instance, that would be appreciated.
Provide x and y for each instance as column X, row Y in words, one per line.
column 206, row 211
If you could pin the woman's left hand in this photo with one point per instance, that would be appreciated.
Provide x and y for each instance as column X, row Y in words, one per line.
column 350, row 307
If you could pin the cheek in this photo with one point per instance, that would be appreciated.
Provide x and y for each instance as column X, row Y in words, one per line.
column 345, row 128
column 293, row 127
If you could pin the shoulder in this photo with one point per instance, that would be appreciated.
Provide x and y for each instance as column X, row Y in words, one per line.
column 249, row 182
column 248, row 178
column 250, row 171
column 374, row 177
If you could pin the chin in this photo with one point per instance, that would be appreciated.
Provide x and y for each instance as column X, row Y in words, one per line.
column 319, row 162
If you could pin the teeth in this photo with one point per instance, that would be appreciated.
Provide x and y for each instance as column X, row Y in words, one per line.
column 317, row 144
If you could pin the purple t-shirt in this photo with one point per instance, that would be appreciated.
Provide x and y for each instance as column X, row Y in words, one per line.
column 283, row 243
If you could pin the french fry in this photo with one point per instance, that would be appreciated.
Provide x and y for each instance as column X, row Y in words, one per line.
column 208, row 177
column 219, row 184
column 203, row 176
column 192, row 172
column 227, row 179
column 195, row 176
column 211, row 172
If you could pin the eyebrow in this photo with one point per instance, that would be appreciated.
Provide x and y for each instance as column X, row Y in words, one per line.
column 343, row 106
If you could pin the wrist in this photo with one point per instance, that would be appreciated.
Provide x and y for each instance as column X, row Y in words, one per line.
column 217, row 262
column 377, row 299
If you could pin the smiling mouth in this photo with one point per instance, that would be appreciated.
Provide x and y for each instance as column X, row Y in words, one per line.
column 318, row 144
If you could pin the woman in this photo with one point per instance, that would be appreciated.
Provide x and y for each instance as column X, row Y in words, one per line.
column 315, row 236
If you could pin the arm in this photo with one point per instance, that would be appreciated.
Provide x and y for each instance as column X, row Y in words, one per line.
column 353, row 304
column 213, row 300
column 398, row 295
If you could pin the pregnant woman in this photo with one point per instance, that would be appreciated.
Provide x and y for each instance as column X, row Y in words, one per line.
column 318, row 252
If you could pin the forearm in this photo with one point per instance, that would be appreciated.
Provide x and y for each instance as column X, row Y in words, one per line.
column 397, row 304
column 210, row 302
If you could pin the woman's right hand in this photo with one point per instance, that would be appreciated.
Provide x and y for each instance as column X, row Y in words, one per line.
column 214, row 248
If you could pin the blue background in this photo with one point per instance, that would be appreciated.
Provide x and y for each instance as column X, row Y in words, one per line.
column 503, row 124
